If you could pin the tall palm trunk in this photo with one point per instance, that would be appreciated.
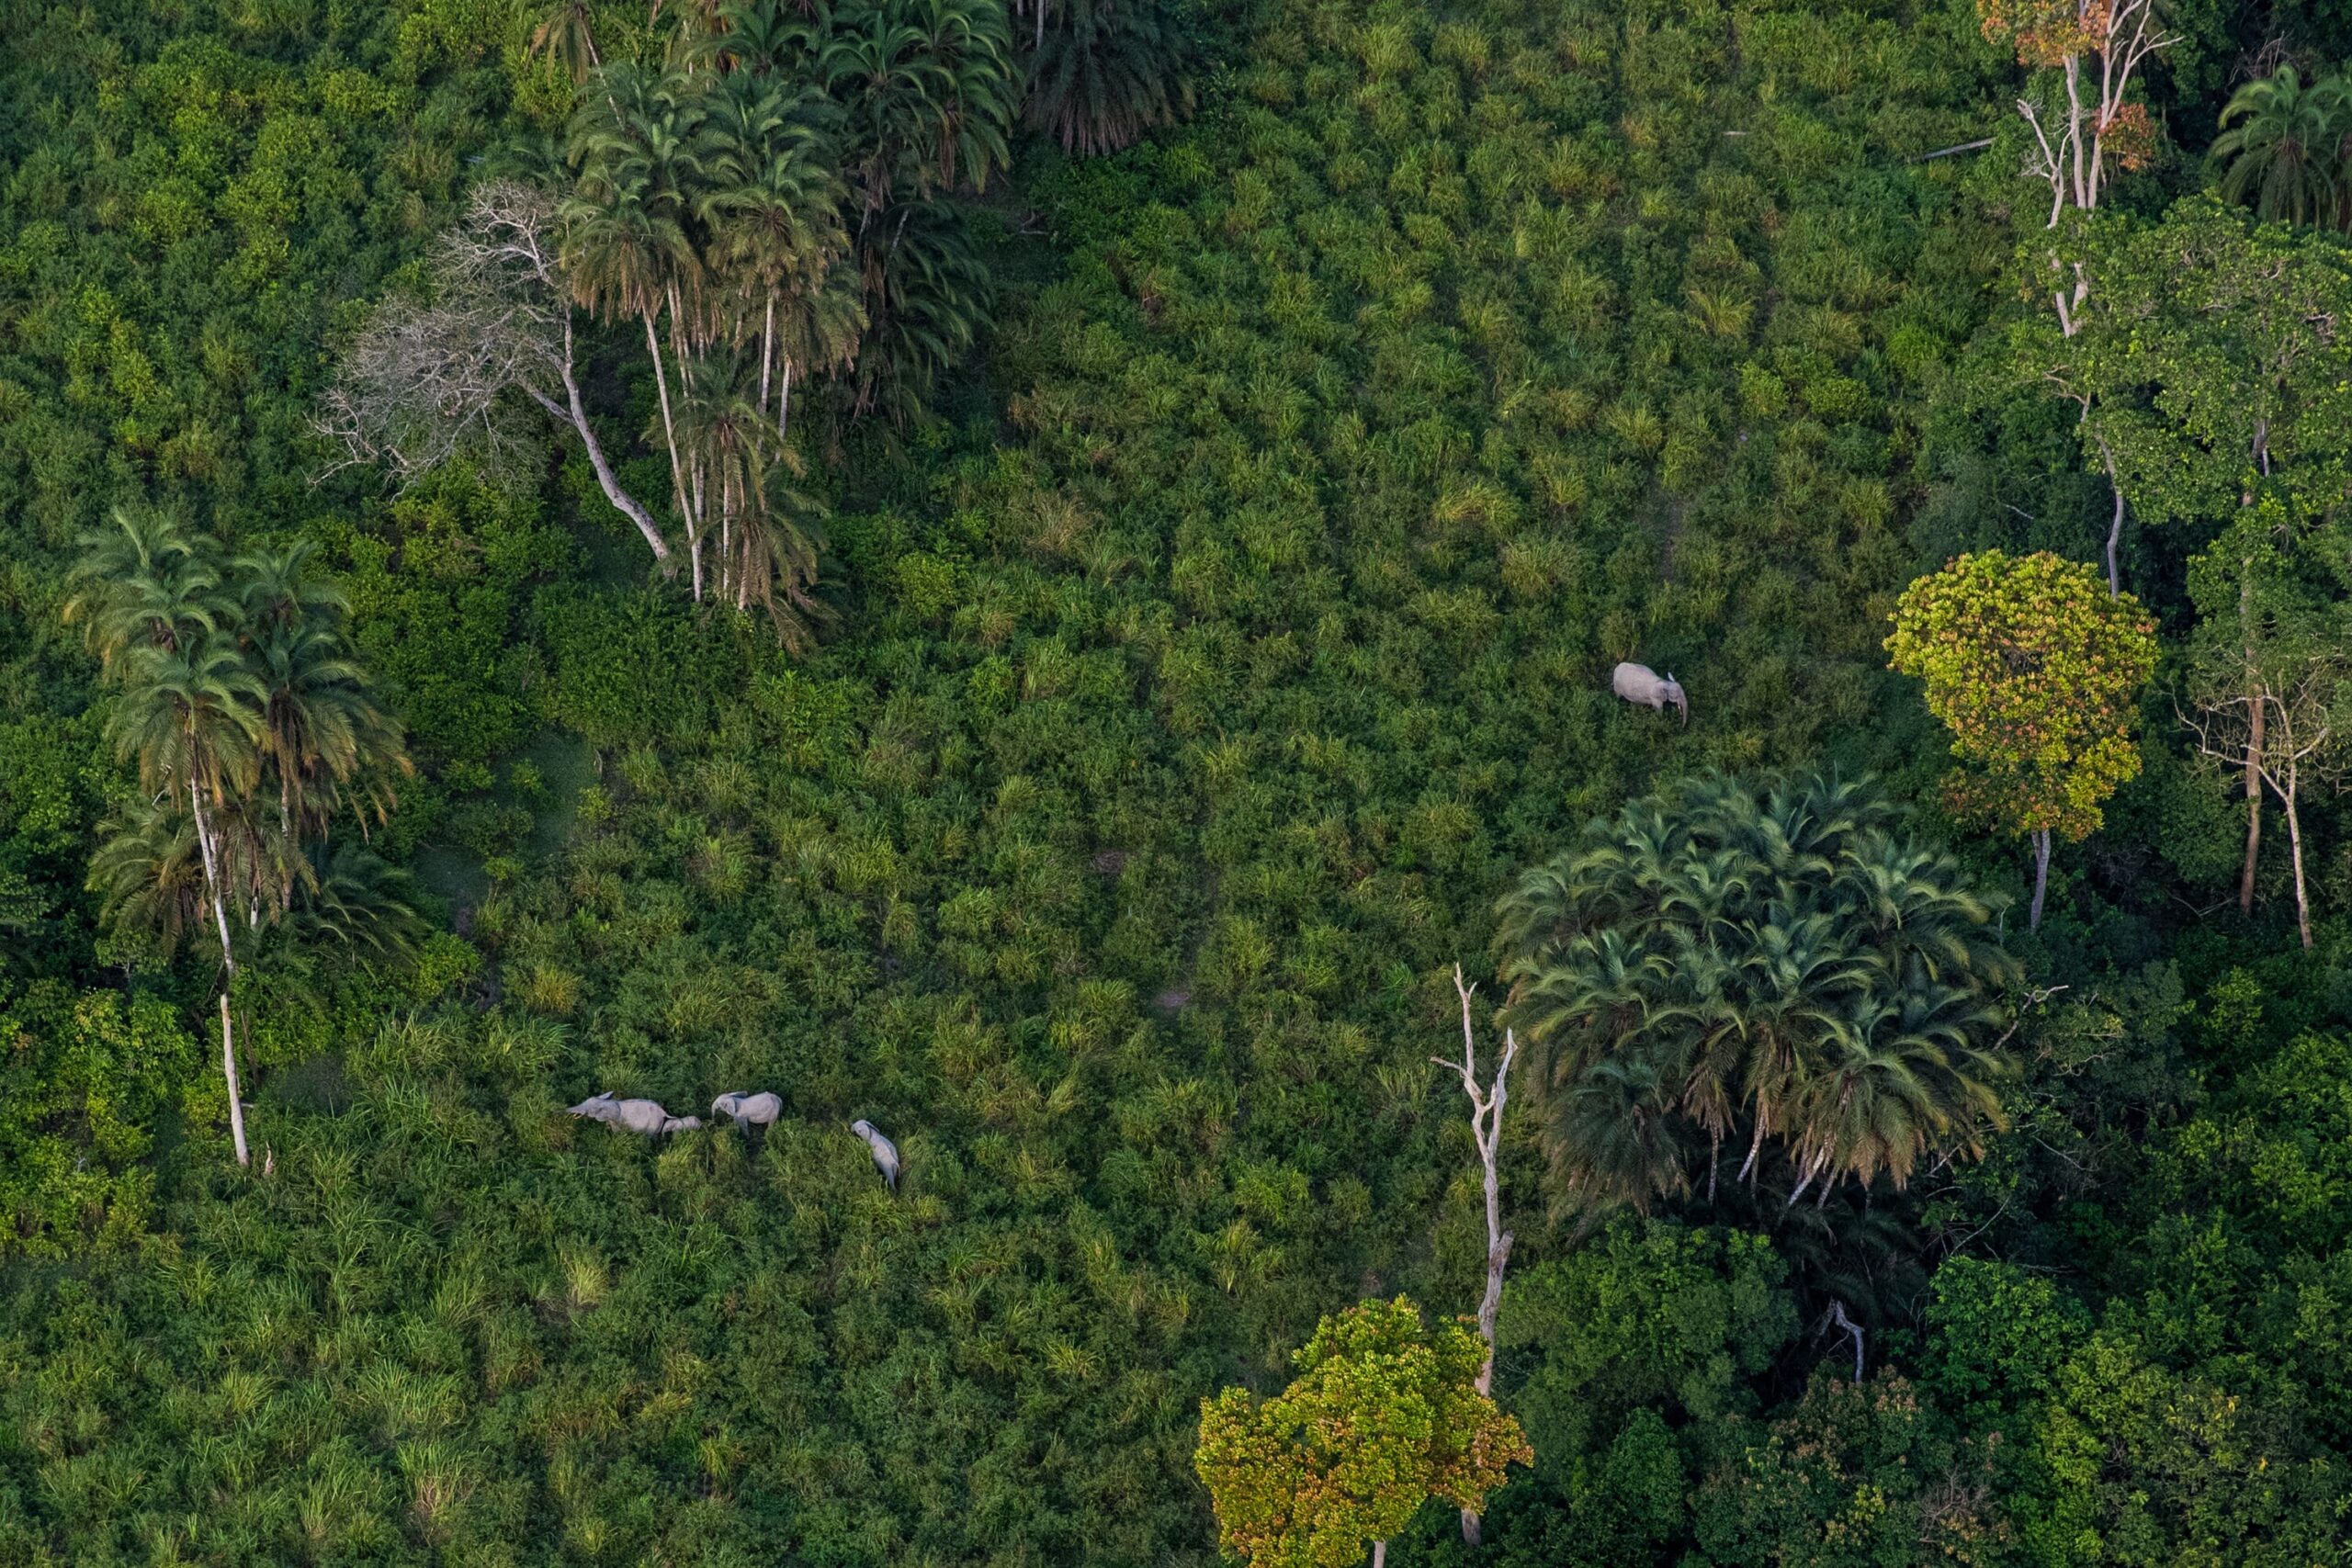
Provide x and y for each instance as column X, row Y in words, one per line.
column 726, row 534
column 767, row 352
column 210, row 849
column 695, row 525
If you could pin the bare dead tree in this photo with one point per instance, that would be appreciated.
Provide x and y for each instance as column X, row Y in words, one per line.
column 2096, row 53
column 2282, row 734
column 1837, row 1318
column 1485, row 1131
column 427, row 382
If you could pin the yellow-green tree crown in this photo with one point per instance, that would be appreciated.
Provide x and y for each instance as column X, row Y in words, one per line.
column 1384, row 1414
column 2035, row 668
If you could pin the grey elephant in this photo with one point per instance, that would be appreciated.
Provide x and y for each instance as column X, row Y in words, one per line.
column 886, row 1153
column 1640, row 683
column 641, row 1116
column 754, row 1110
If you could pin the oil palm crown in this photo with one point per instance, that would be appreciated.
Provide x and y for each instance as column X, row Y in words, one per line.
column 1100, row 73
column 322, row 733
column 771, row 202
column 1768, row 967
column 2285, row 144
column 767, row 38
column 926, row 90
column 144, row 580
column 926, row 293
column 565, row 40
column 190, row 718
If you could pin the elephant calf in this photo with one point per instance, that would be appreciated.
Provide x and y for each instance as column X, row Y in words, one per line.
column 754, row 1110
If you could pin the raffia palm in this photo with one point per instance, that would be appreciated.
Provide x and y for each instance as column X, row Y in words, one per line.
column 1770, row 974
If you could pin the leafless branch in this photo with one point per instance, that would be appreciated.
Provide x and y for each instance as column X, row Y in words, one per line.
column 429, row 380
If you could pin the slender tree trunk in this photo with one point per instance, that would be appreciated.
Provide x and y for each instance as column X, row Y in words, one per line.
column 1754, row 1147
column 228, row 1072
column 210, row 849
column 726, row 534
column 1838, row 1315
column 2295, row 839
column 783, row 403
column 2115, row 525
column 2040, row 879
column 576, row 416
column 695, row 529
column 1379, row 1554
column 2253, row 807
column 755, row 510
column 1485, row 1131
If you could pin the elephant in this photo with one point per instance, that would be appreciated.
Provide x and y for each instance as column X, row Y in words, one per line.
column 752, row 1110
column 1640, row 683
column 886, row 1153
column 641, row 1116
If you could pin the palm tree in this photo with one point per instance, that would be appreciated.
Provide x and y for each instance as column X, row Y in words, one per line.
column 190, row 716
column 564, row 36
column 773, row 213
column 768, row 37
column 926, row 92
column 925, row 289
column 324, row 738
column 362, row 903
column 251, row 727
column 742, row 470
column 1718, row 965
column 2285, row 144
column 1105, row 72
column 145, row 581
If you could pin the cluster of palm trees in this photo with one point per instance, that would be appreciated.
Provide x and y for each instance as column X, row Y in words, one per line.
column 2285, row 148
column 778, row 203
column 1768, row 977
column 255, row 735
column 773, row 206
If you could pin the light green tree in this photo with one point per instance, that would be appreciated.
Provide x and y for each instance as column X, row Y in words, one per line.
column 1385, row 1414
column 2037, row 672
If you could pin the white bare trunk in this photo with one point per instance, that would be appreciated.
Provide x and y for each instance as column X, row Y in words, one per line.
column 2040, row 879
column 210, row 849
column 669, row 427
column 576, row 415
column 2295, row 841
column 236, row 1093
column 1487, row 1104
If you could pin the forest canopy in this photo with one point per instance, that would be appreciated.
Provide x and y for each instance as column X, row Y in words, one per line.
column 1020, row 648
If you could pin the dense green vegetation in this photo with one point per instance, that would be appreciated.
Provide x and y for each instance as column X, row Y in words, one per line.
column 1230, row 447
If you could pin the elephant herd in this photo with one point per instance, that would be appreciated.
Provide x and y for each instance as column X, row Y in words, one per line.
column 648, row 1118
